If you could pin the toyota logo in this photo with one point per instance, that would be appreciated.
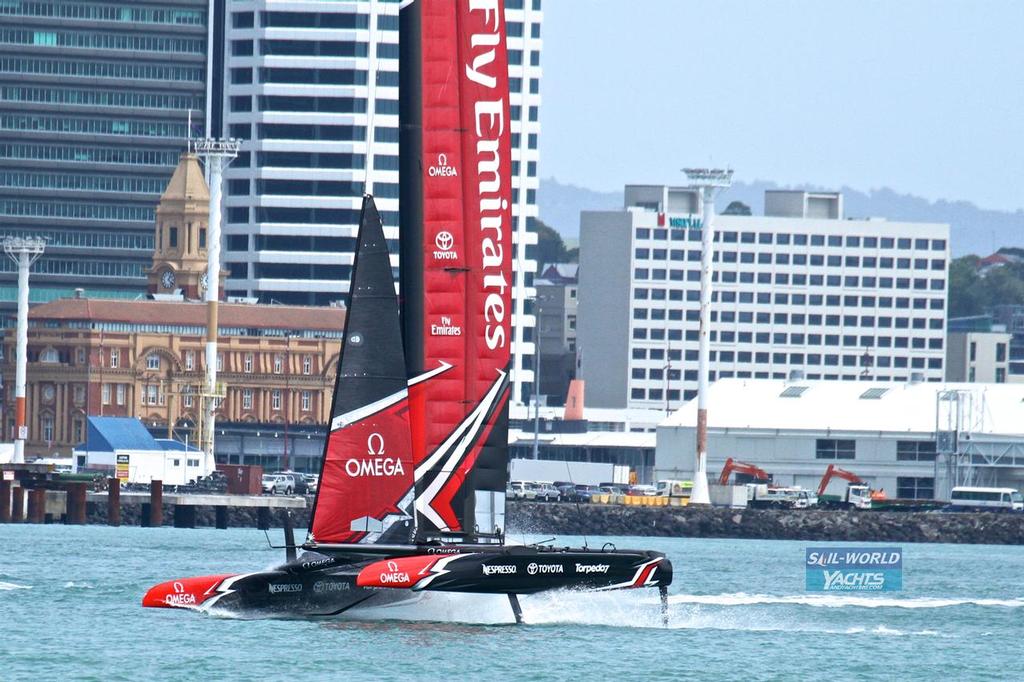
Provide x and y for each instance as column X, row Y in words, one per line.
column 444, row 240
column 532, row 569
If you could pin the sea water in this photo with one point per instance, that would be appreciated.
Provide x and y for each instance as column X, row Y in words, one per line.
column 70, row 609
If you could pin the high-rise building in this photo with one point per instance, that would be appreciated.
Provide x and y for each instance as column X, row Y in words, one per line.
column 94, row 103
column 800, row 288
column 312, row 88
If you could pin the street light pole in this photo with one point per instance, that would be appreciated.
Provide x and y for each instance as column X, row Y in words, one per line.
column 709, row 182
column 536, row 381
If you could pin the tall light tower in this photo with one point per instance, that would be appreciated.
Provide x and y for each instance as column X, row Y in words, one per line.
column 710, row 181
column 24, row 251
column 217, row 154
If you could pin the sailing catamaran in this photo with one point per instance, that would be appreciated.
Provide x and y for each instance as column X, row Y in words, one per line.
column 415, row 466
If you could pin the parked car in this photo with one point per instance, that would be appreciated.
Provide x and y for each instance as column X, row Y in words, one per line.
column 546, row 492
column 278, row 484
column 643, row 490
column 521, row 491
column 616, row 488
column 300, row 487
column 566, row 489
column 584, row 493
column 312, row 482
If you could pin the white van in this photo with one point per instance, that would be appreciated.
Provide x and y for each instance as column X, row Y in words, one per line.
column 966, row 498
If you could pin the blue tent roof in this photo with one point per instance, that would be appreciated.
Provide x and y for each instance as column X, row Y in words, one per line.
column 107, row 434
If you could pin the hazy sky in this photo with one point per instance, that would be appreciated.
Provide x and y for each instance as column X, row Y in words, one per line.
column 926, row 97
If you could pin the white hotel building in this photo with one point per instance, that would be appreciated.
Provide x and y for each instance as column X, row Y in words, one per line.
column 800, row 288
column 305, row 84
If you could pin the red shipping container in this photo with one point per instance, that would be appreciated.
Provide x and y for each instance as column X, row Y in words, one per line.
column 243, row 479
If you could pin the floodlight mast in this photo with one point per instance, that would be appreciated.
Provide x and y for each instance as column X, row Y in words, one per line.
column 24, row 251
column 710, row 181
column 217, row 153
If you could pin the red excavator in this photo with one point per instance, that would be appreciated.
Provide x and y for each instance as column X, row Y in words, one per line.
column 857, row 493
column 758, row 474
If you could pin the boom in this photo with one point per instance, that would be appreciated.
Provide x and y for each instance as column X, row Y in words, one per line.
column 752, row 470
column 835, row 472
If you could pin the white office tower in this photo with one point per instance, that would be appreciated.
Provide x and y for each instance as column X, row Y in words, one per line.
column 799, row 291
column 306, row 85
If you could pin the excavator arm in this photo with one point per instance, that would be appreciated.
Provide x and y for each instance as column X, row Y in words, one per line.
column 732, row 465
column 835, row 472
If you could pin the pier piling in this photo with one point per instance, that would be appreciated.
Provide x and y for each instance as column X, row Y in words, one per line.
column 156, row 504
column 113, row 502
column 184, row 516
column 263, row 518
column 18, row 504
column 222, row 516
column 5, row 501
column 76, row 504
column 36, row 505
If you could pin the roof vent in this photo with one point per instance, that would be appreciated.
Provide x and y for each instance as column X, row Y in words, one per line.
column 873, row 393
column 793, row 392
column 917, row 377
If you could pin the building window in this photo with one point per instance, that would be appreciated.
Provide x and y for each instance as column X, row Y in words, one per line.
column 105, row 394
column 910, row 488
column 49, row 355
column 831, row 448
column 115, row 358
column 307, row 364
column 152, row 394
column 247, row 399
column 78, row 393
column 247, row 364
column 915, row 451
column 79, row 355
column 153, row 361
column 275, row 399
column 220, row 362
column 120, row 394
column 1000, row 375
column 190, row 360
column 1000, row 352
column 306, row 401
column 47, row 424
column 186, row 399
column 278, row 363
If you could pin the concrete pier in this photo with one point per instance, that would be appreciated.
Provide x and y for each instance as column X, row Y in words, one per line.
column 222, row 517
column 184, row 516
column 76, row 504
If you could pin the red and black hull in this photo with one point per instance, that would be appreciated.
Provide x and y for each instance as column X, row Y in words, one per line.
column 318, row 585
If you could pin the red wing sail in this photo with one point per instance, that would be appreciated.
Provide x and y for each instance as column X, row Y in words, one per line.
column 365, row 491
column 456, row 259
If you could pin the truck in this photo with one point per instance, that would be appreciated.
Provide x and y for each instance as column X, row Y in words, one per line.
column 762, row 496
column 856, row 494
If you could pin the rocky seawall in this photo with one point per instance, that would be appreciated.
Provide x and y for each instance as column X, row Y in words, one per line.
column 763, row 524
column 597, row 519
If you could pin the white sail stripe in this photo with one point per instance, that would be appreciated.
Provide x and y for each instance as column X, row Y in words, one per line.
column 475, row 420
column 360, row 413
column 435, row 456
column 631, row 581
column 468, row 429
column 436, row 571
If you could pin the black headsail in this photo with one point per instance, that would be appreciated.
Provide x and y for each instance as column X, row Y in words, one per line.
column 365, row 492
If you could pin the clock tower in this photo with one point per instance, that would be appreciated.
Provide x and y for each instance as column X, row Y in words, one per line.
column 182, row 218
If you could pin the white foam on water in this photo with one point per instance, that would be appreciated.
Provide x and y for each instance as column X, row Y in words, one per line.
column 5, row 586
column 72, row 585
column 836, row 601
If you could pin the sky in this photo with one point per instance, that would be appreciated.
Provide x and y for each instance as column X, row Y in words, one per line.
column 923, row 96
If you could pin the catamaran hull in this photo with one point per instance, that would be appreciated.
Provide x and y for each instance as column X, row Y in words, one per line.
column 320, row 585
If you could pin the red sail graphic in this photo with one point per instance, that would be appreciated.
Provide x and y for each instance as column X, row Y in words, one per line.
column 463, row 173
column 365, row 491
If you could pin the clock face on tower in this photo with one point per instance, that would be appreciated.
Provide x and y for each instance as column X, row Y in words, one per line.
column 167, row 279
column 204, row 282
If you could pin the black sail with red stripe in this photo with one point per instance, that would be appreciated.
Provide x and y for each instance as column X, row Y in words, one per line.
column 365, row 491
column 456, row 246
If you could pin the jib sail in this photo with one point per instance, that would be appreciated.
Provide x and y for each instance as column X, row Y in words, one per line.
column 365, row 492
column 456, row 259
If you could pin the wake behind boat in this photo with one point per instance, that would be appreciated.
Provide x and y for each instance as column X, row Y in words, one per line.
column 415, row 466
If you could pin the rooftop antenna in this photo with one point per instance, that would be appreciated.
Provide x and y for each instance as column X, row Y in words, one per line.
column 710, row 181
column 188, row 133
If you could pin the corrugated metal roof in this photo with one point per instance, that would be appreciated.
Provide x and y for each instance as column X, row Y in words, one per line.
column 106, row 434
column 840, row 406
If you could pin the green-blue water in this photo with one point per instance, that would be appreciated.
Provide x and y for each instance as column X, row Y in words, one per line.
column 70, row 609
